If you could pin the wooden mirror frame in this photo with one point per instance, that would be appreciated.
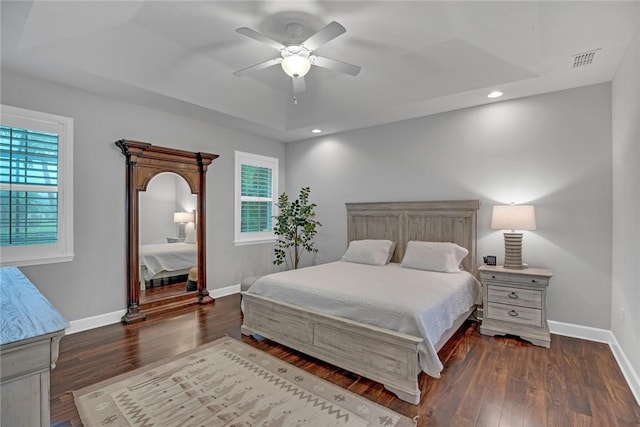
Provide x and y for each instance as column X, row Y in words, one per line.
column 145, row 161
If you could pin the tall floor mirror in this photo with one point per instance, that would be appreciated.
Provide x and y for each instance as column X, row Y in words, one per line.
column 166, row 249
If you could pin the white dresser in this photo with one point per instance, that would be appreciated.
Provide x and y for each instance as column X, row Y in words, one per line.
column 515, row 302
column 30, row 332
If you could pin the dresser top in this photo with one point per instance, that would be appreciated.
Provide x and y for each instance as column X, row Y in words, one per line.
column 24, row 312
column 529, row 271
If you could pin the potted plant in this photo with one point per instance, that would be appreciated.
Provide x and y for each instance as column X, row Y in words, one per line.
column 295, row 228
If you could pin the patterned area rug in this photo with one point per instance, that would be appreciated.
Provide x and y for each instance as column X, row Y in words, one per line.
column 226, row 383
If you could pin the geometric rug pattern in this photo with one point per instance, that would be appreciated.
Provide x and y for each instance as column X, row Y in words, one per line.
column 226, row 383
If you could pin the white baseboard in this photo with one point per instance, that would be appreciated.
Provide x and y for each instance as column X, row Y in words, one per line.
column 627, row 369
column 114, row 317
column 604, row 336
column 223, row 292
column 94, row 322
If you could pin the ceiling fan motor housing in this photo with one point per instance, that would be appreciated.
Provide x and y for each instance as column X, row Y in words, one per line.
column 295, row 60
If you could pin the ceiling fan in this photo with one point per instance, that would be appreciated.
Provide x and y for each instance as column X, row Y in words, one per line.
column 296, row 57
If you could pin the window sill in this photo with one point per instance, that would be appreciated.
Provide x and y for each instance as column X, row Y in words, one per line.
column 254, row 241
column 25, row 262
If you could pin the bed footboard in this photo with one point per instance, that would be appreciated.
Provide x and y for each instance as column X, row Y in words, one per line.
column 385, row 356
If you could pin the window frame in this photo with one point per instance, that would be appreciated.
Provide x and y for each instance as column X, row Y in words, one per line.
column 243, row 158
column 62, row 250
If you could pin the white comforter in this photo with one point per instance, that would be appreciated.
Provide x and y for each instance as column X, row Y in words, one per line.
column 420, row 303
column 167, row 257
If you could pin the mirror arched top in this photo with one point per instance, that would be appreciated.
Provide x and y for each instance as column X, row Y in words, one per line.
column 193, row 186
column 145, row 161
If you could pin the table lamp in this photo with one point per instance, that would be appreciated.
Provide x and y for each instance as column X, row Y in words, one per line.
column 514, row 218
column 182, row 218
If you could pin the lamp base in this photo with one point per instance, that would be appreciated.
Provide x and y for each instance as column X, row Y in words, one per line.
column 182, row 230
column 513, row 251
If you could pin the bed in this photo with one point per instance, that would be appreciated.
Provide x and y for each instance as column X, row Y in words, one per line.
column 166, row 260
column 383, row 351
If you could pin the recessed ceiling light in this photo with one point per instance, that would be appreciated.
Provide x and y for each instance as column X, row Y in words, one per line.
column 495, row 94
column 316, row 131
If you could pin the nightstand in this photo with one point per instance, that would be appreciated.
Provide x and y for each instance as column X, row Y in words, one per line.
column 515, row 302
column 175, row 239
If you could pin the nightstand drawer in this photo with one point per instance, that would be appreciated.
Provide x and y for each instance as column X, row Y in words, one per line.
column 514, row 314
column 515, row 279
column 515, row 296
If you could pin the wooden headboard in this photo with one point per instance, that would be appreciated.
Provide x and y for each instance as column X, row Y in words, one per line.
column 442, row 221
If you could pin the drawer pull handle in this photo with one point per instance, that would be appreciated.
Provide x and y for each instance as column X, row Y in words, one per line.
column 513, row 313
column 493, row 277
column 533, row 280
column 513, row 295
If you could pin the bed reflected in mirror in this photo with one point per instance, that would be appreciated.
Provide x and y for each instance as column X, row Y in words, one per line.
column 168, row 250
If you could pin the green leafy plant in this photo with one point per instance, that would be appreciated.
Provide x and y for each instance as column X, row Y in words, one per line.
column 296, row 228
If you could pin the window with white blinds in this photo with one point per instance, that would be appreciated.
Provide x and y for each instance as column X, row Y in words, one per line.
column 28, row 187
column 256, row 184
column 35, row 192
column 256, row 198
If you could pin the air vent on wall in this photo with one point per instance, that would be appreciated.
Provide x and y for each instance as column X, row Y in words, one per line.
column 584, row 58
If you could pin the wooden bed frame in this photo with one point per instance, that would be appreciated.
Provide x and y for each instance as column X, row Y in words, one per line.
column 162, row 277
column 388, row 357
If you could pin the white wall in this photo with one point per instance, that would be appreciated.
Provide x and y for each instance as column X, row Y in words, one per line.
column 625, row 318
column 94, row 282
column 553, row 151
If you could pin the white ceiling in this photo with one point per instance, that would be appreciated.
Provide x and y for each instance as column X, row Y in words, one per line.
column 417, row 57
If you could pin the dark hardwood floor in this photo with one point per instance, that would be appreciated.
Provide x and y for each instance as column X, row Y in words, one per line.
column 160, row 292
column 487, row 381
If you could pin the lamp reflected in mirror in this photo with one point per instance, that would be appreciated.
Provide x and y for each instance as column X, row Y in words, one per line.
column 182, row 219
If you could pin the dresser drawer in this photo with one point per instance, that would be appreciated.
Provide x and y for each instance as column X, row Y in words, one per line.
column 514, row 314
column 513, row 278
column 515, row 296
column 22, row 360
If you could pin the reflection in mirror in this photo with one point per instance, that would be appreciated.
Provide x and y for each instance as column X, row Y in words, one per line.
column 168, row 250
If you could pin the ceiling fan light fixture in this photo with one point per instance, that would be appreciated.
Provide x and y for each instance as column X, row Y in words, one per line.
column 296, row 65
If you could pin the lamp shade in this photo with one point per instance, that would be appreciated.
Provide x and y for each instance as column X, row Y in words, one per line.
column 296, row 65
column 182, row 217
column 513, row 217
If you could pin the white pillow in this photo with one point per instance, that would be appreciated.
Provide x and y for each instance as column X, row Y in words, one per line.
column 191, row 237
column 372, row 252
column 434, row 256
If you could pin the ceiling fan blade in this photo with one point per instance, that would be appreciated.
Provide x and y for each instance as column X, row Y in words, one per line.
column 245, row 31
column 256, row 67
column 335, row 65
column 329, row 32
column 299, row 85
